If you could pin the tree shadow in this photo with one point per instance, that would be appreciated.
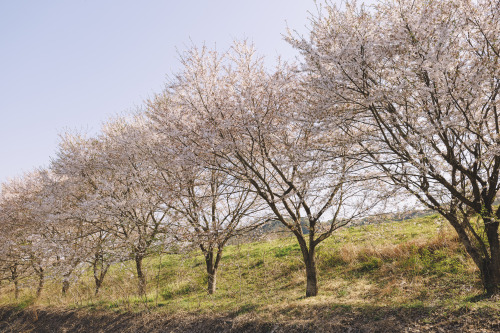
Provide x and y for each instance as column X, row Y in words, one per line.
column 479, row 297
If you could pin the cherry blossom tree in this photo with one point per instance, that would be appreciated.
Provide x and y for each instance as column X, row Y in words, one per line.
column 211, row 206
column 124, row 200
column 66, row 234
column 76, row 198
column 42, row 233
column 13, row 260
column 229, row 111
column 28, row 236
column 80, row 241
column 418, row 84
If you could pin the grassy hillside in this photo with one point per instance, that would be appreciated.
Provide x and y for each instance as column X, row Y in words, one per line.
column 411, row 264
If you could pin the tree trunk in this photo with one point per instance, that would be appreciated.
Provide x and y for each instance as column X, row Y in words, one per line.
column 490, row 268
column 140, row 275
column 309, row 260
column 65, row 286
column 65, row 283
column 488, row 262
column 212, row 281
column 16, row 289
column 98, row 284
column 211, row 270
column 99, row 271
column 41, row 280
column 99, row 278
column 312, row 280
column 15, row 279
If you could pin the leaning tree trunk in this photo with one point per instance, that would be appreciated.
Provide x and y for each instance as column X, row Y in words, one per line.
column 487, row 260
column 140, row 275
column 99, row 272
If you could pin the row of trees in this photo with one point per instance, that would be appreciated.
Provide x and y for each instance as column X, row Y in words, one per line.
column 113, row 198
column 402, row 95
column 221, row 151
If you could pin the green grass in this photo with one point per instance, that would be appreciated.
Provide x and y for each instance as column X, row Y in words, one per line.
column 415, row 263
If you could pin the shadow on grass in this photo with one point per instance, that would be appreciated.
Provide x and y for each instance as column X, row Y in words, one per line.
column 328, row 317
column 246, row 308
column 482, row 297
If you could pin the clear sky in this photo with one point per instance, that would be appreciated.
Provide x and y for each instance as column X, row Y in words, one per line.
column 73, row 64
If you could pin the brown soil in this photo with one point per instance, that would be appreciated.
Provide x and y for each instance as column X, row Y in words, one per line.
column 320, row 320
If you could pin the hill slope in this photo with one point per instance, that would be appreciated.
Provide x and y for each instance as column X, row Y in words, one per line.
column 403, row 274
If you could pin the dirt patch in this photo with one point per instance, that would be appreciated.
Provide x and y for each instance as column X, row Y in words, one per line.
column 323, row 320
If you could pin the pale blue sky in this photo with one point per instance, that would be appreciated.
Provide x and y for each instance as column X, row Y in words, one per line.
column 71, row 64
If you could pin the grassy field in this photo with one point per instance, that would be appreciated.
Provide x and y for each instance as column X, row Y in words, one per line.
column 416, row 264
